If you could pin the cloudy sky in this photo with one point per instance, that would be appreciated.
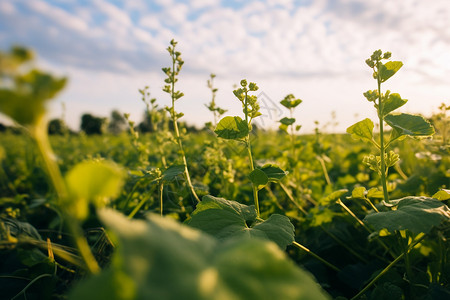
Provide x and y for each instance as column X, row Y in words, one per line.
column 314, row 49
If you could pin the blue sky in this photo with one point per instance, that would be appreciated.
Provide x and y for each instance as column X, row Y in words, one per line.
column 314, row 49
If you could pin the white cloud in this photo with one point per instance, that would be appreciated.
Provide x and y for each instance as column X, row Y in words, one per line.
column 316, row 49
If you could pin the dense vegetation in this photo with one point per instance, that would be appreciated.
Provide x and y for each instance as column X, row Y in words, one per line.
column 230, row 212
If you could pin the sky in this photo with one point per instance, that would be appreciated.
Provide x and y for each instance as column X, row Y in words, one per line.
column 314, row 49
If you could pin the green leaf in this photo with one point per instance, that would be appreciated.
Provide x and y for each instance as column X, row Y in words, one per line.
column 359, row 192
column 273, row 172
column 388, row 69
column 375, row 193
column 290, row 102
column 287, row 121
column 225, row 219
column 393, row 102
column 442, row 195
column 172, row 172
column 362, row 130
column 232, row 128
column 25, row 101
column 159, row 258
column 333, row 196
column 92, row 181
column 416, row 214
column 411, row 125
column 258, row 178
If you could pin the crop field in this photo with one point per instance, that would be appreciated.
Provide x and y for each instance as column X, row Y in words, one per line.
column 227, row 212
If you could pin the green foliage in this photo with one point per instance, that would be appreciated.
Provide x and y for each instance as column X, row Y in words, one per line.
column 160, row 259
column 92, row 182
column 232, row 128
column 410, row 125
column 416, row 214
column 362, row 130
column 402, row 124
column 225, row 219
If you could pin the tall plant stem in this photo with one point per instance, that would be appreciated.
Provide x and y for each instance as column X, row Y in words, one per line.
column 382, row 148
column 177, row 135
column 39, row 133
column 385, row 270
column 252, row 167
column 300, row 246
column 161, row 189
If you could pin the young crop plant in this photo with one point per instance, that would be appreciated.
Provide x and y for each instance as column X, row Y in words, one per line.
column 402, row 125
column 235, row 128
column 23, row 97
column 212, row 106
column 172, row 73
column 287, row 124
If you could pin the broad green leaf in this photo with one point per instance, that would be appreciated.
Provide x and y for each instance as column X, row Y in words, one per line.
column 159, row 258
column 442, row 195
column 290, row 102
column 224, row 219
column 287, row 121
column 393, row 102
column 334, row 196
column 258, row 178
column 416, row 214
column 172, row 172
column 388, row 69
column 362, row 130
column 273, row 172
column 375, row 193
column 359, row 192
column 25, row 101
column 92, row 181
column 232, row 128
column 411, row 125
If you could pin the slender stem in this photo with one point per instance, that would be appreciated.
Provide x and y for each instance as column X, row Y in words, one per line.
column 177, row 132
column 385, row 270
column 286, row 191
column 291, row 110
column 324, row 169
column 363, row 225
column 371, row 204
column 300, row 246
column 252, row 167
column 39, row 133
column 382, row 148
column 161, row 188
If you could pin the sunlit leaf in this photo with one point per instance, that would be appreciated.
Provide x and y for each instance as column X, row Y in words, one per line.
column 388, row 69
column 92, row 181
column 158, row 258
column 410, row 125
column 25, row 102
column 393, row 102
column 232, row 128
column 225, row 218
column 333, row 197
column 416, row 214
column 362, row 130
column 442, row 195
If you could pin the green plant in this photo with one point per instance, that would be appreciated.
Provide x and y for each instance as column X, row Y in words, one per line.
column 402, row 124
column 290, row 102
column 172, row 73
